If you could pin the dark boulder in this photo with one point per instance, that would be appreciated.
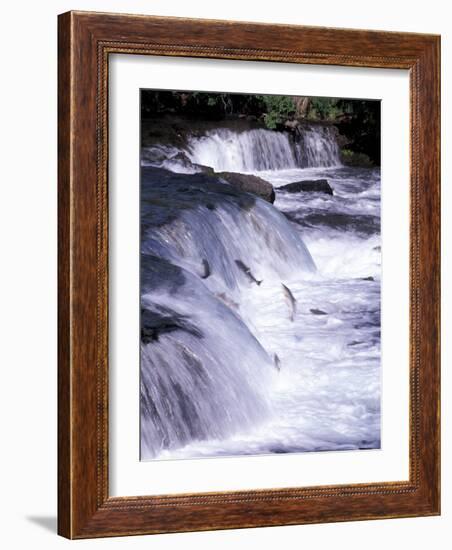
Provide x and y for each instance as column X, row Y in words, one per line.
column 249, row 184
column 156, row 323
column 312, row 186
column 204, row 169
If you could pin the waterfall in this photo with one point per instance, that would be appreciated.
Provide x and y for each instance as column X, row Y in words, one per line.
column 259, row 149
column 317, row 147
column 226, row 150
column 203, row 374
column 213, row 223
column 205, row 247
column 247, row 346
column 253, row 150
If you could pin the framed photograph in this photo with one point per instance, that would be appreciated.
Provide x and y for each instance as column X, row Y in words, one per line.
column 248, row 275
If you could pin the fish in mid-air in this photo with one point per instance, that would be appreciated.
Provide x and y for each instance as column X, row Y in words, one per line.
column 207, row 272
column 247, row 272
column 290, row 301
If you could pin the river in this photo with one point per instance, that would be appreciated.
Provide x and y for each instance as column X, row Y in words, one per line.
column 284, row 357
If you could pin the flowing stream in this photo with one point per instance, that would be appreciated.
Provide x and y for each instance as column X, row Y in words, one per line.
column 260, row 322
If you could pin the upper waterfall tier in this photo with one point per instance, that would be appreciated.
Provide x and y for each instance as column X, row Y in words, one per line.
column 260, row 149
column 249, row 150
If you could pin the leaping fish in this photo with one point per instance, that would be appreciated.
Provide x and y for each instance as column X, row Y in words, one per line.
column 247, row 272
column 226, row 300
column 290, row 301
column 207, row 272
column 277, row 362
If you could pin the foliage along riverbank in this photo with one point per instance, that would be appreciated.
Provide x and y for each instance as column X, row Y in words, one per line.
column 357, row 122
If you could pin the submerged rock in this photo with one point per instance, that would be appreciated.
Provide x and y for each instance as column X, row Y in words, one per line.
column 249, row 184
column 316, row 311
column 313, row 186
column 355, row 343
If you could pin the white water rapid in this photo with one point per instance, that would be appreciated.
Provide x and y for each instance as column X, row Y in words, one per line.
column 260, row 322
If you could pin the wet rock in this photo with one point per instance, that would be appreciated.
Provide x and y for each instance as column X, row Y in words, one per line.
column 166, row 156
column 311, row 186
column 291, row 124
column 156, row 154
column 355, row 343
column 249, row 184
column 156, row 323
column 361, row 224
column 185, row 163
column 204, row 169
column 367, row 279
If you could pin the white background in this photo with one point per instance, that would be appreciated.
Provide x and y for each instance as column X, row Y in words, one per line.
column 128, row 476
column 28, row 270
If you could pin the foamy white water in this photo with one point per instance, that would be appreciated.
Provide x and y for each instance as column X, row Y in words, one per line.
column 232, row 373
column 248, row 151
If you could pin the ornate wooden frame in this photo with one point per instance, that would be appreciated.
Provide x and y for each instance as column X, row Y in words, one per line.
column 85, row 508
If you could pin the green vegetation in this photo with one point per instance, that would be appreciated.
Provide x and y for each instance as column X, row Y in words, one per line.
column 273, row 110
column 325, row 108
column 278, row 108
column 352, row 158
column 358, row 121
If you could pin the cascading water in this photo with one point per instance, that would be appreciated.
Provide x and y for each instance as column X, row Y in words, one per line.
column 204, row 373
column 249, row 347
column 246, row 151
column 195, row 385
column 249, row 151
column 317, row 147
column 217, row 226
column 259, row 149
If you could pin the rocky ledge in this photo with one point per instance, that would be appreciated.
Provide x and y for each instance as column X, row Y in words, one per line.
column 313, row 186
column 249, row 184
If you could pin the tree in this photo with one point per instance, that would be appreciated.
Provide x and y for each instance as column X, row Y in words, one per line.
column 278, row 108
